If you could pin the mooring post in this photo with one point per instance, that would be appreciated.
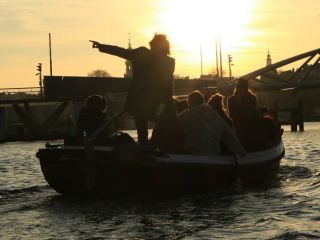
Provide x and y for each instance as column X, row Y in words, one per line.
column 294, row 125
column 2, row 124
column 300, row 115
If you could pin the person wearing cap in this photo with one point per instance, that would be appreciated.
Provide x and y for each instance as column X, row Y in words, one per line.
column 149, row 96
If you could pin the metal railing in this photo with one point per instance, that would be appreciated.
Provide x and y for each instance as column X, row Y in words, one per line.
column 19, row 93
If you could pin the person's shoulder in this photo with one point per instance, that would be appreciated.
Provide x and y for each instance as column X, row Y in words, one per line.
column 207, row 106
column 206, row 110
column 141, row 49
column 251, row 95
column 184, row 112
column 171, row 58
column 140, row 52
column 253, row 99
column 231, row 98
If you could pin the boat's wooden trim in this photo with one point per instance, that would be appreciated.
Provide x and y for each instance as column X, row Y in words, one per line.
column 229, row 160
column 262, row 156
column 249, row 158
column 198, row 160
column 96, row 148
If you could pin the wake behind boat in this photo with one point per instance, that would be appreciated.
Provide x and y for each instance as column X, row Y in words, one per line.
column 74, row 170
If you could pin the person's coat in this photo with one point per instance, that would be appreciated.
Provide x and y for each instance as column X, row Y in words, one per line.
column 152, row 80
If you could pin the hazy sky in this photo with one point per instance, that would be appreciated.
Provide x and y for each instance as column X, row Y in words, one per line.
column 247, row 29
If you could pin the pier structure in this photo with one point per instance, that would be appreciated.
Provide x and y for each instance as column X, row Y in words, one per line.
column 28, row 115
column 295, row 118
column 33, row 118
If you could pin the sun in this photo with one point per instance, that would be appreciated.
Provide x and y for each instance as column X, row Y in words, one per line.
column 191, row 23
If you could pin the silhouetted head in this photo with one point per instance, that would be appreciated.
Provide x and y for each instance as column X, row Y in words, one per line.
column 242, row 85
column 160, row 44
column 194, row 99
column 216, row 101
column 96, row 102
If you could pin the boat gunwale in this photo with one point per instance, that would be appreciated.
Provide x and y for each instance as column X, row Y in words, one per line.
column 272, row 154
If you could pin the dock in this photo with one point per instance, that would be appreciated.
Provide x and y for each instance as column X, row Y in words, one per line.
column 49, row 113
column 296, row 116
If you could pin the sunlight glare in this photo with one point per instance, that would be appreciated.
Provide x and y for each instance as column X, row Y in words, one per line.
column 189, row 23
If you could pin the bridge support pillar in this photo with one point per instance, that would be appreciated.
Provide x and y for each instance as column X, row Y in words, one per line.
column 2, row 124
column 35, row 129
column 300, row 116
column 296, row 118
column 293, row 116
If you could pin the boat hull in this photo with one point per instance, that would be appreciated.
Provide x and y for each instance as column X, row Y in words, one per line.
column 70, row 171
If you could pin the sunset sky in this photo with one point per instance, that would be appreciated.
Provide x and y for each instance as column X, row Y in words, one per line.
column 247, row 28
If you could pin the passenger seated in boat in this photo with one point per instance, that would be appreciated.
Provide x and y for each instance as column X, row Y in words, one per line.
column 93, row 116
column 181, row 105
column 205, row 129
column 267, row 116
column 238, row 105
column 265, row 113
column 216, row 102
column 261, row 132
column 165, row 133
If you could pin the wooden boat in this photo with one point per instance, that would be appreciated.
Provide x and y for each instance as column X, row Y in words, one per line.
column 74, row 170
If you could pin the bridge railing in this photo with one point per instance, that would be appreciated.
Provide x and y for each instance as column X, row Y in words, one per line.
column 19, row 93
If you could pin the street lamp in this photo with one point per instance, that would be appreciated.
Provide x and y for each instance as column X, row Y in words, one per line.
column 39, row 69
column 230, row 64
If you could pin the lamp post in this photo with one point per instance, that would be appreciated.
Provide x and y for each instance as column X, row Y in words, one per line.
column 230, row 64
column 201, row 68
column 39, row 69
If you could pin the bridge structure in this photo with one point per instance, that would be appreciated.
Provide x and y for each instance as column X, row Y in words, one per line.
column 294, row 80
column 35, row 116
column 294, row 93
column 64, row 95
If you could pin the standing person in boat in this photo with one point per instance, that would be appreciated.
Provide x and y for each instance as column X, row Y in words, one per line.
column 150, row 92
column 216, row 102
column 238, row 105
column 205, row 129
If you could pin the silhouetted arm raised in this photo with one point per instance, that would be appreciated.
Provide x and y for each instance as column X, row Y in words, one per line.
column 114, row 50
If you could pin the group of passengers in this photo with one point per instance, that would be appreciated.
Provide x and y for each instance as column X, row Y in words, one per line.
column 254, row 127
column 209, row 129
column 192, row 126
column 205, row 130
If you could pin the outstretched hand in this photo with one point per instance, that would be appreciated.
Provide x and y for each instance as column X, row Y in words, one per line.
column 95, row 44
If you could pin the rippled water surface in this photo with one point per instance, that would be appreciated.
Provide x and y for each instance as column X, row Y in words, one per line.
column 288, row 209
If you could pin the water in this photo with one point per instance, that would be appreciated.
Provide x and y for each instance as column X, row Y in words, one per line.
column 289, row 209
